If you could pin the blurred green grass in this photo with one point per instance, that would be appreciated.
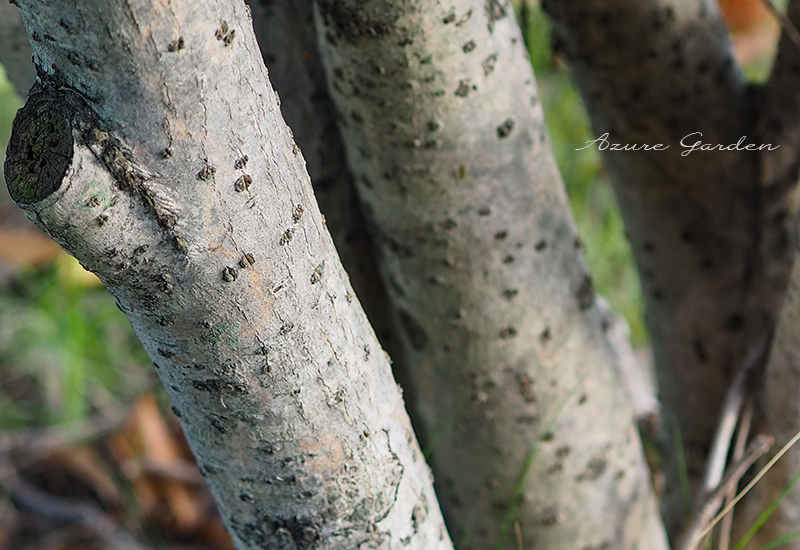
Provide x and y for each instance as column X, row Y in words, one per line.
column 66, row 350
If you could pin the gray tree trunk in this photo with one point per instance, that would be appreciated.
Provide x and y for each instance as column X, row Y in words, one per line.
column 710, row 230
column 288, row 44
column 154, row 151
column 516, row 384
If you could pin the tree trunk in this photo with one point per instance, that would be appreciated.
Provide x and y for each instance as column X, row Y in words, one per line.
column 710, row 230
column 516, row 383
column 288, row 44
column 154, row 151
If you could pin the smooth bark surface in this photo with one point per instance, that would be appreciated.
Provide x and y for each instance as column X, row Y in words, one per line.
column 154, row 151
column 711, row 230
column 516, row 384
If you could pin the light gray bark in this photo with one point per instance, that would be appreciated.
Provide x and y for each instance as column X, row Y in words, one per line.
column 710, row 230
column 288, row 44
column 154, row 151
column 15, row 50
column 516, row 382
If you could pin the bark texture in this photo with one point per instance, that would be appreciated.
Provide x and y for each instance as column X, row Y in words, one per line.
column 15, row 50
column 710, row 230
column 516, row 383
column 154, row 151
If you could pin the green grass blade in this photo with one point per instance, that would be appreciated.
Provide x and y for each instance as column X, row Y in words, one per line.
column 765, row 516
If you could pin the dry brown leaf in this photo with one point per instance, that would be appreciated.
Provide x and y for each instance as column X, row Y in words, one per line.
column 84, row 463
column 145, row 445
column 23, row 248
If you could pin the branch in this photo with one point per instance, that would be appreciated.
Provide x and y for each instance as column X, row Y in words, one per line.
column 154, row 151
column 729, row 416
column 704, row 519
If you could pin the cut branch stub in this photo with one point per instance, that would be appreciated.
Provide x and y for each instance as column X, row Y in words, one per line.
column 40, row 151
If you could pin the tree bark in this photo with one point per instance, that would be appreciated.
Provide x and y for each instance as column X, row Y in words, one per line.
column 711, row 231
column 516, row 383
column 780, row 394
column 154, row 151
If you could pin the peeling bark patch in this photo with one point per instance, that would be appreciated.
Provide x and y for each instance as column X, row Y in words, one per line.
column 219, row 422
column 319, row 271
column 243, row 183
column 585, row 294
column 218, row 385
column 206, row 173
column 551, row 517
column 414, row 331
column 488, row 64
column 247, row 260
column 508, row 333
column 504, row 130
column 180, row 244
column 545, row 336
column 165, row 353
column 176, row 45
column 495, row 11
column 594, row 469
column 225, row 34
column 464, row 18
column 464, row 88
column 286, row 237
column 229, row 274
column 303, row 532
column 526, row 385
